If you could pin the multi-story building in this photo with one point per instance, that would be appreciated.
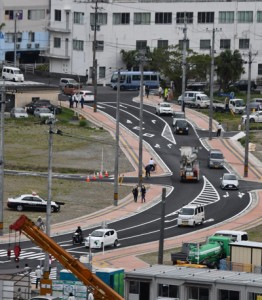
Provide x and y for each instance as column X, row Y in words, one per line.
column 65, row 33
column 23, row 33
column 131, row 25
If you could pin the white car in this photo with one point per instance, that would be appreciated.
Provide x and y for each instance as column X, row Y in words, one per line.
column 18, row 112
column 100, row 238
column 42, row 112
column 229, row 181
column 164, row 108
column 88, row 96
column 253, row 118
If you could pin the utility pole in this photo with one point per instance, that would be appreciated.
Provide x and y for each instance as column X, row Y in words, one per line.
column 15, row 38
column 141, row 59
column 2, row 115
column 94, row 75
column 248, row 113
column 211, row 85
column 117, row 141
column 184, row 64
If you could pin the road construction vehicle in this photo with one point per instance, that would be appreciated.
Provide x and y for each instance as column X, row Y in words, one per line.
column 37, row 236
column 189, row 164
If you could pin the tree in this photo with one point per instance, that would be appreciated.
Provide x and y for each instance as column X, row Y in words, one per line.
column 229, row 67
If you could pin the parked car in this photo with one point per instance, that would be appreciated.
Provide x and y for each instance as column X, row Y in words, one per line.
column 88, row 95
column 65, row 81
column 46, row 297
column 164, row 108
column 178, row 115
column 229, row 181
column 30, row 107
column 181, row 127
column 32, row 202
column 243, row 84
column 18, row 112
column 43, row 113
column 100, row 238
column 255, row 117
column 215, row 159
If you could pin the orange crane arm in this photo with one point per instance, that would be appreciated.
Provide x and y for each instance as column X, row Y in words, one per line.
column 37, row 236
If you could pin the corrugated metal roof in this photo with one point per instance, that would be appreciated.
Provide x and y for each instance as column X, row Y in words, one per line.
column 198, row 275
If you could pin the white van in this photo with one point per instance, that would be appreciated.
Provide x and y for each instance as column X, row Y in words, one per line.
column 191, row 215
column 12, row 73
column 237, row 235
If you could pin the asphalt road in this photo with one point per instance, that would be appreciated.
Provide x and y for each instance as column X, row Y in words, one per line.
column 145, row 227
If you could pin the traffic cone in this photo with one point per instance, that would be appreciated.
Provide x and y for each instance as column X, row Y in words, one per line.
column 100, row 175
column 106, row 174
column 88, row 179
column 94, row 177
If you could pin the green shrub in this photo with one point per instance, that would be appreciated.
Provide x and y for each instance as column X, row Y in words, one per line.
column 82, row 123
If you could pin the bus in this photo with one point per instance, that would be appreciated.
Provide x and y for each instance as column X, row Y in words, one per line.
column 130, row 80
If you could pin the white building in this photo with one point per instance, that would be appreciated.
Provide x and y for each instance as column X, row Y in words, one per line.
column 131, row 25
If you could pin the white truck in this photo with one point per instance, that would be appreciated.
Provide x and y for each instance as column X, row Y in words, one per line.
column 195, row 99
column 189, row 164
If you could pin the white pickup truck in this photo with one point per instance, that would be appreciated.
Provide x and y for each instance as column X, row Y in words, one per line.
column 195, row 99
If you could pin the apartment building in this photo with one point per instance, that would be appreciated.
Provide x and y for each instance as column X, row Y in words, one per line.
column 23, row 34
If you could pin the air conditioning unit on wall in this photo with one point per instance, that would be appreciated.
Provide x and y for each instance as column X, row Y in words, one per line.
column 37, row 45
column 28, row 46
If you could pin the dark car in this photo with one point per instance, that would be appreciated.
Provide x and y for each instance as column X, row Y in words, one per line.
column 42, row 103
column 181, row 127
column 243, row 84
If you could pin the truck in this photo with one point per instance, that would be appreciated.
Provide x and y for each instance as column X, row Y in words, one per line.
column 189, row 164
column 208, row 254
column 194, row 99
column 100, row 289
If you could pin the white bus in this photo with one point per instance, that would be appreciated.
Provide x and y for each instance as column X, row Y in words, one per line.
column 130, row 80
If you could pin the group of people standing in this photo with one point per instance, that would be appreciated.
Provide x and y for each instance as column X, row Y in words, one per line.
column 74, row 100
column 135, row 192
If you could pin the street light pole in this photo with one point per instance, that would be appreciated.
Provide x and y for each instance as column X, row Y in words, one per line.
column 117, row 142
column 211, row 85
column 94, row 77
column 2, row 102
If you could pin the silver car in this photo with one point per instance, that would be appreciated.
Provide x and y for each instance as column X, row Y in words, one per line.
column 229, row 181
column 18, row 112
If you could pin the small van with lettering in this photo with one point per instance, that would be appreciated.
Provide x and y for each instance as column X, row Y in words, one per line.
column 12, row 73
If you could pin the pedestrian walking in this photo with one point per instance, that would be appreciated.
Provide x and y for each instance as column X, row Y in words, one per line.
column 135, row 193
column 160, row 92
column 152, row 164
column 71, row 297
column 143, row 193
column 219, row 128
column 147, row 91
column 90, row 296
column 226, row 104
column 38, row 274
column 75, row 100
column 148, row 170
column 82, row 101
column 71, row 102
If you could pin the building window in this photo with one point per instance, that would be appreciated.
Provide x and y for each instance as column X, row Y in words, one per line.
column 78, row 45
column 259, row 16
column 181, row 19
column 205, row 44
column 101, row 19
column 259, row 71
column 9, row 37
column 225, row 44
column 121, row 18
column 10, row 14
column 168, row 290
column 99, row 45
column 142, row 18
column 230, row 295
column 245, row 16
column 78, row 18
column 226, row 17
column 163, row 18
column 58, row 15
column 162, row 44
column 36, row 14
column 195, row 292
column 102, row 72
column 243, row 44
column 205, row 17
column 31, row 36
column 181, row 43
column 141, row 45
column 19, row 37
column 57, row 42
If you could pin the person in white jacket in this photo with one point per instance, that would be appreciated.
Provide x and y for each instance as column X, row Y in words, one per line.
column 71, row 297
